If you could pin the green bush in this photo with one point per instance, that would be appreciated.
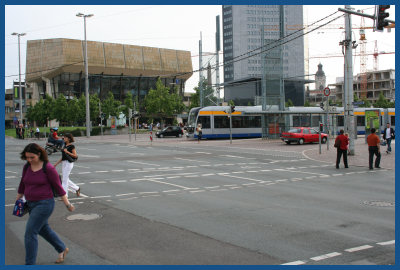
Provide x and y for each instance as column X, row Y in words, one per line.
column 76, row 132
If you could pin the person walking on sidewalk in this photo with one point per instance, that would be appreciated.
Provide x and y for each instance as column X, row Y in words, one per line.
column 38, row 179
column 342, row 141
column 388, row 135
column 68, row 164
column 374, row 149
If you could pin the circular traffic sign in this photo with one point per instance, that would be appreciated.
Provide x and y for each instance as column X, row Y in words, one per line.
column 327, row 91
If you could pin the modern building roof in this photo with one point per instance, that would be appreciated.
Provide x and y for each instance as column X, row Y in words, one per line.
column 51, row 57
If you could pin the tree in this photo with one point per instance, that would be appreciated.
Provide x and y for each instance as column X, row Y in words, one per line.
column 160, row 102
column 382, row 102
column 110, row 106
column 73, row 111
column 59, row 109
column 93, row 107
column 128, row 103
column 307, row 103
column 289, row 103
column 231, row 103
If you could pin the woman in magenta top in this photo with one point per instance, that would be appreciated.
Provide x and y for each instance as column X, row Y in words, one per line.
column 38, row 179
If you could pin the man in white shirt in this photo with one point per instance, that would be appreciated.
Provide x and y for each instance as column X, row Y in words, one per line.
column 388, row 135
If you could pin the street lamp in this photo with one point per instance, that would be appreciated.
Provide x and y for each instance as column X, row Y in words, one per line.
column 19, row 66
column 86, row 75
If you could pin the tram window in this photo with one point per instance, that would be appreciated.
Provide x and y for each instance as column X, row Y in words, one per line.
column 296, row 121
column 360, row 121
column 252, row 121
column 340, row 121
column 238, row 122
column 204, row 121
column 221, row 122
column 301, row 120
column 392, row 118
column 315, row 120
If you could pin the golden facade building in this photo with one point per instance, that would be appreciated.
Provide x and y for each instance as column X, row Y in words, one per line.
column 56, row 66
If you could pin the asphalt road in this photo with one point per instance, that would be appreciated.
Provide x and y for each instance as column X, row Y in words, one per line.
column 180, row 202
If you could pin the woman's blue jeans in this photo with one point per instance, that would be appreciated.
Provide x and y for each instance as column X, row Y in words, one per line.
column 39, row 213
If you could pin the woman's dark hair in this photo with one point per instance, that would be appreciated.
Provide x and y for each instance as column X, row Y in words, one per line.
column 35, row 149
column 69, row 136
column 341, row 131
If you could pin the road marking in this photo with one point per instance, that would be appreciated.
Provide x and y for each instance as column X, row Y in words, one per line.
column 100, row 171
column 208, row 174
column 143, row 163
column 89, row 156
column 165, row 183
column 10, row 176
column 195, row 191
column 212, row 187
column 126, row 194
column 8, row 189
column 172, row 177
column 98, row 182
column 355, row 249
column 148, row 192
column 10, row 171
column 80, row 166
column 171, row 190
column 294, row 263
column 281, row 180
column 117, row 170
column 84, row 172
column 118, row 181
column 386, row 243
column 203, row 153
column 192, row 160
column 245, row 178
column 326, row 256
column 222, row 189
column 96, row 197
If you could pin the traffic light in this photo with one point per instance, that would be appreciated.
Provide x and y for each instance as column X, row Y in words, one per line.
column 321, row 127
column 321, row 105
column 380, row 19
column 232, row 108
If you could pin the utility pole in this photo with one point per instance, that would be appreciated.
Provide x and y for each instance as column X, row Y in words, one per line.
column 263, row 84
column 201, row 96
column 86, row 75
column 349, row 45
column 218, row 48
column 19, row 75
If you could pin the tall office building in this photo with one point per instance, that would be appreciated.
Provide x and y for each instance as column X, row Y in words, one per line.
column 242, row 26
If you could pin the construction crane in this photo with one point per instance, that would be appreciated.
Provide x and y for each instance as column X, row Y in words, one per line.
column 376, row 56
column 363, row 61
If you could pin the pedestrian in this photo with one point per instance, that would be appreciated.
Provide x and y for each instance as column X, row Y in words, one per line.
column 341, row 144
column 199, row 133
column 388, row 135
column 374, row 149
column 68, row 165
column 31, row 132
column 22, row 129
column 38, row 178
column 37, row 133
column 17, row 131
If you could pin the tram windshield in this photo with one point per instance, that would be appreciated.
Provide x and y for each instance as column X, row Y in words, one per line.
column 192, row 116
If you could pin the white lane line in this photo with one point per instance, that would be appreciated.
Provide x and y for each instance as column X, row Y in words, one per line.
column 355, row 249
column 281, row 180
column 126, row 194
column 137, row 162
column 244, row 178
column 248, row 184
column 80, row 166
column 8, row 189
column 172, row 177
column 118, row 181
column 192, row 160
column 208, row 174
column 84, row 172
column 172, row 190
column 212, row 187
column 294, row 263
column 386, row 243
column 98, row 182
column 128, row 198
column 203, row 153
column 90, row 156
column 192, row 166
column 149, row 192
column 10, row 171
column 222, row 189
column 195, row 191
column 117, row 170
column 133, row 169
column 238, row 172
column 100, row 171
column 326, row 256
column 96, row 197
column 165, row 183
column 10, row 176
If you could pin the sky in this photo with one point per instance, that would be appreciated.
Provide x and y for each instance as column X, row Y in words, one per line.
column 178, row 27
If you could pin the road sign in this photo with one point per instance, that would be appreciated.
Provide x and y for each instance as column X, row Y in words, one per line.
column 327, row 91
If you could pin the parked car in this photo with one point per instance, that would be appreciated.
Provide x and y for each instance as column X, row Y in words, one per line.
column 170, row 131
column 302, row 135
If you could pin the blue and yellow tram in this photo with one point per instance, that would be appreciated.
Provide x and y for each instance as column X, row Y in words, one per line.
column 246, row 120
